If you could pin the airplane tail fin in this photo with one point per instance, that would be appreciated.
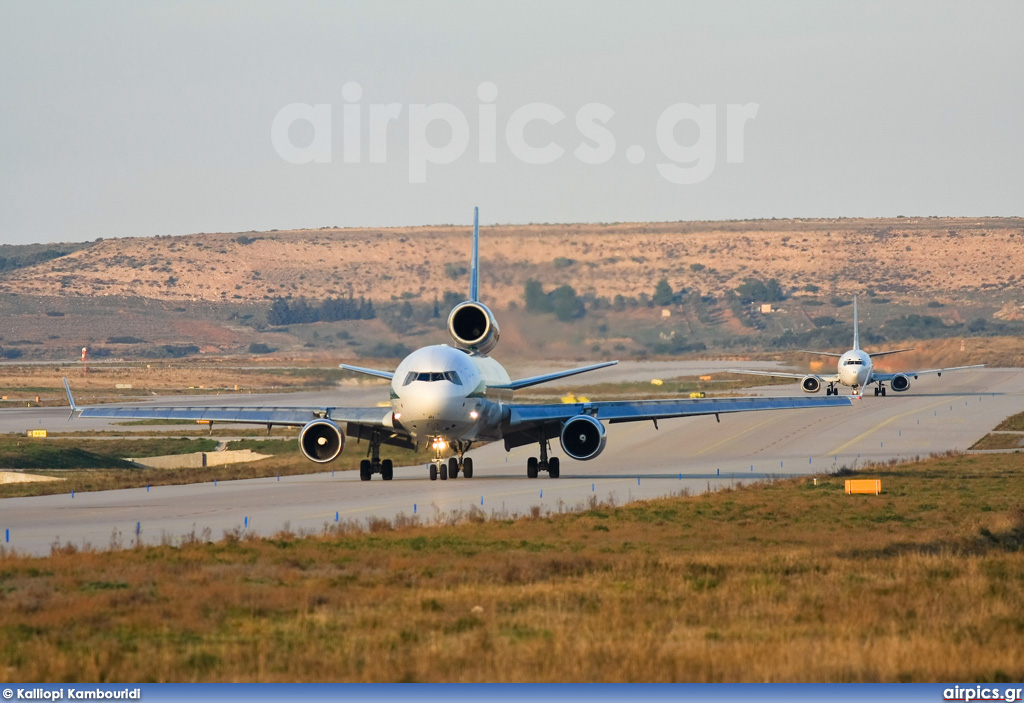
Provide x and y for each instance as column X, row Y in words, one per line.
column 474, row 266
column 856, row 328
column 71, row 400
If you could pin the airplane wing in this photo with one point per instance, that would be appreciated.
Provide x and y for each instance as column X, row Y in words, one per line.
column 891, row 351
column 284, row 416
column 369, row 372
column 357, row 421
column 820, row 353
column 875, row 376
column 525, row 423
column 833, row 378
column 535, row 380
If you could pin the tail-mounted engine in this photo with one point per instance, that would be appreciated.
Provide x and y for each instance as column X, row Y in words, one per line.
column 473, row 327
column 810, row 384
column 583, row 437
column 899, row 383
column 321, row 441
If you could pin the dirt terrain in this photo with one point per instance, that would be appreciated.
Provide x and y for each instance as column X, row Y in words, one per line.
column 927, row 257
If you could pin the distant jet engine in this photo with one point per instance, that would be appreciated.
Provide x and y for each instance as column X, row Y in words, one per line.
column 810, row 384
column 473, row 327
column 583, row 437
column 899, row 383
column 321, row 441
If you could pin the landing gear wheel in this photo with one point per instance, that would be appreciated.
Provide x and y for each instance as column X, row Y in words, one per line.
column 553, row 467
column 433, row 471
column 531, row 467
column 876, row 393
column 467, row 467
column 365, row 470
column 387, row 470
column 883, row 391
column 453, row 468
column 444, row 472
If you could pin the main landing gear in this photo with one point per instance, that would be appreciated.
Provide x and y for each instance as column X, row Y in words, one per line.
column 533, row 466
column 450, row 469
column 374, row 465
column 880, row 389
column 831, row 389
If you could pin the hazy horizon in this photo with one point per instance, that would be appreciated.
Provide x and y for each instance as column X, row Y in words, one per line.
column 123, row 119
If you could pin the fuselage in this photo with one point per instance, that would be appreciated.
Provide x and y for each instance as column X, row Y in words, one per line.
column 446, row 392
column 855, row 368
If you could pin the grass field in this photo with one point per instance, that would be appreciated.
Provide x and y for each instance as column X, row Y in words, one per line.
column 780, row 581
column 87, row 464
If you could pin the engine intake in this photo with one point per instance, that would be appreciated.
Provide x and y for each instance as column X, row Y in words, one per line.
column 810, row 384
column 473, row 327
column 899, row 383
column 321, row 441
column 583, row 437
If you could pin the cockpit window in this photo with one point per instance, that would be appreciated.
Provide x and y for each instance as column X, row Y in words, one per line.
column 431, row 376
column 853, row 362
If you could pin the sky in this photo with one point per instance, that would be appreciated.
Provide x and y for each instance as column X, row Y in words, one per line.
column 140, row 119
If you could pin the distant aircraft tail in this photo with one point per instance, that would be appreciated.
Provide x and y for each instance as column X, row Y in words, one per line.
column 856, row 326
column 474, row 265
column 856, row 336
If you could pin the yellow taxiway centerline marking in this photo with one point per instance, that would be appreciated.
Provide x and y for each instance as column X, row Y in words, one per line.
column 730, row 438
column 882, row 424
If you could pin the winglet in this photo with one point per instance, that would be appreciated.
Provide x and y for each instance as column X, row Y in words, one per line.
column 856, row 329
column 71, row 400
column 474, row 266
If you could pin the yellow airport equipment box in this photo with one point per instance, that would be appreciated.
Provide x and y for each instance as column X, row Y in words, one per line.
column 36, row 433
column 864, row 485
column 698, row 394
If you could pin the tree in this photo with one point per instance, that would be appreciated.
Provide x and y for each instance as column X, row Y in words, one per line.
column 753, row 290
column 566, row 304
column 663, row 294
column 536, row 299
column 280, row 313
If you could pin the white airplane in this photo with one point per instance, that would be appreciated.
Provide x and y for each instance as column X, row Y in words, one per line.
column 455, row 397
column 856, row 370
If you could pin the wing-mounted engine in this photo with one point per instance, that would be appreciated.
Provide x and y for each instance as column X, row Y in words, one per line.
column 583, row 437
column 899, row 383
column 321, row 441
column 473, row 327
column 810, row 384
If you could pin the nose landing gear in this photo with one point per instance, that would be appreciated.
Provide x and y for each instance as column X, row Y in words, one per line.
column 439, row 468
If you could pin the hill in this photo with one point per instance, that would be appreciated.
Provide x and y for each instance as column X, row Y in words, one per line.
column 214, row 290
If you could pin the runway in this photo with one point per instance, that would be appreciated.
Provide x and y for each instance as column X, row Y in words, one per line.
column 692, row 454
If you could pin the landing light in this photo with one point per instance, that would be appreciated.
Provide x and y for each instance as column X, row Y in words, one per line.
column 474, row 414
column 439, row 444
column 398, row 416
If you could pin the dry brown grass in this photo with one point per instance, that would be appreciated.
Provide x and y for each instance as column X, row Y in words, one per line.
column 625, row 258
column 783, row 581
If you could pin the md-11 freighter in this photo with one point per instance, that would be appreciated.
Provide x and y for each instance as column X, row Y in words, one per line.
column 455, row 397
